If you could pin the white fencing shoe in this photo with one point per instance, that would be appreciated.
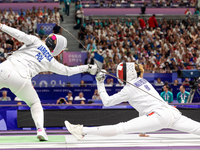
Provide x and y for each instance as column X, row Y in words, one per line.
column 41, row 135
column 75, row 130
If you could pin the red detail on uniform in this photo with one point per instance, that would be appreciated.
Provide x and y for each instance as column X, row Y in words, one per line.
column 174, row 106
column 60, row 52
column 151, row 114
column 53, row 37
column 120, row 73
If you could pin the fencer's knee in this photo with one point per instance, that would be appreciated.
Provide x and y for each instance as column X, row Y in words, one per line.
column 34, row 104
column 120, row 129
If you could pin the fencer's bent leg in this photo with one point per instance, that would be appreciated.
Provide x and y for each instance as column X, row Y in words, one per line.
column 29, row 95
column 140, row 124
column 186, row 124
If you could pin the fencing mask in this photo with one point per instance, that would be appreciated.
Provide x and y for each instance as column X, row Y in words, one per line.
column 127, row 72
column 59, row 46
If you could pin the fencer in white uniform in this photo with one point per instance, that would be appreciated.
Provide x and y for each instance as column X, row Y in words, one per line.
column 155, row 112
column 32, row 58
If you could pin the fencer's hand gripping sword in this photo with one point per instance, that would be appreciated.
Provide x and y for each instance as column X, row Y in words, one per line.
column 99, row 70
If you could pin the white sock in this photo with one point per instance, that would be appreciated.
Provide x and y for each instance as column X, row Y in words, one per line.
column 38, row 115
column 102, row 130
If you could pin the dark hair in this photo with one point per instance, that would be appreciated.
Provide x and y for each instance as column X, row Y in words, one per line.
column 167, row 86
column 183, row 86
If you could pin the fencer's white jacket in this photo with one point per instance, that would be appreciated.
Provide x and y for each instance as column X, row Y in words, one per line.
column 141, row 101
column 35, row 57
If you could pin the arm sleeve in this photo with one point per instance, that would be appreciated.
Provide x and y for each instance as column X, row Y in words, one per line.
column 161, row 95
column 178, row 98
column 171, row 97
column 114, row 99
column 19, row 35
column 61, row 69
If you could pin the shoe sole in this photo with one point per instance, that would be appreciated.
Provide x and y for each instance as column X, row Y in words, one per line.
column 41, row 138
column 67, row 124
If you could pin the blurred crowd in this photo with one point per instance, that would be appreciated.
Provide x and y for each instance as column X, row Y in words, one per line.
column 161, row 47
column 25, row 21
column 152, row 3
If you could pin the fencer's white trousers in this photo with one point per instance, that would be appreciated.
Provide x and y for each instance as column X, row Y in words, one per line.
column 22, row 88
column 162, row 118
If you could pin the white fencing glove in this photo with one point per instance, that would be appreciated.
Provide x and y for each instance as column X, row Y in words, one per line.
column 101, row 76
column 92, row 69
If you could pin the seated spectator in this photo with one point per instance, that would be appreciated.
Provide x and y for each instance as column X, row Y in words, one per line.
column 167, row 95
column 19, row 103
column 186, row 82
column 80, row 98
column 41, row 32
column 167, row 84
column 69, row 97
column 196, row 12
column 183, row 95
column 89, row 59
column 159, row 82
column 57, row 29
column 96, row 95
column 109, row 82
column 5, row 97
column 176, row 82
column 188, row 12
column 82, row 84
column 69, row 84
column 61, row 101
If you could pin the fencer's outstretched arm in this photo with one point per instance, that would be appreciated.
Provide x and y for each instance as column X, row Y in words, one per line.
column 17, row 34
column 117, row 98
column 61, row 69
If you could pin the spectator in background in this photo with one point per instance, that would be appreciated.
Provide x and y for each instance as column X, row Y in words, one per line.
column 196, row 12
column 78, row 5
column 61, row 101
column 128, row 22
column 141, row 22
column 69, row 97
column 188, row 12
column 176, row 82
column 159, row 82
column 19, row 103
column 67, row 5
column 96, row 95
column 57, row 29
column 79, row 16
column 166, row 94
column 69, row 84
column 89, row 59
column 109, row 82
column 5, row 97
column 82, row 84
column 41, row 32
column 186, row 82
column 153, row 22
column 80, row 98
column 183, row 95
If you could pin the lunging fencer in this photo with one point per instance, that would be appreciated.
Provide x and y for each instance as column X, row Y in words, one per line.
column 155, row 113
column 29, row 60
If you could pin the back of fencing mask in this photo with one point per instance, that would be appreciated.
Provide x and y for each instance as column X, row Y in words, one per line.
column 127, row 72
column 59, row 46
